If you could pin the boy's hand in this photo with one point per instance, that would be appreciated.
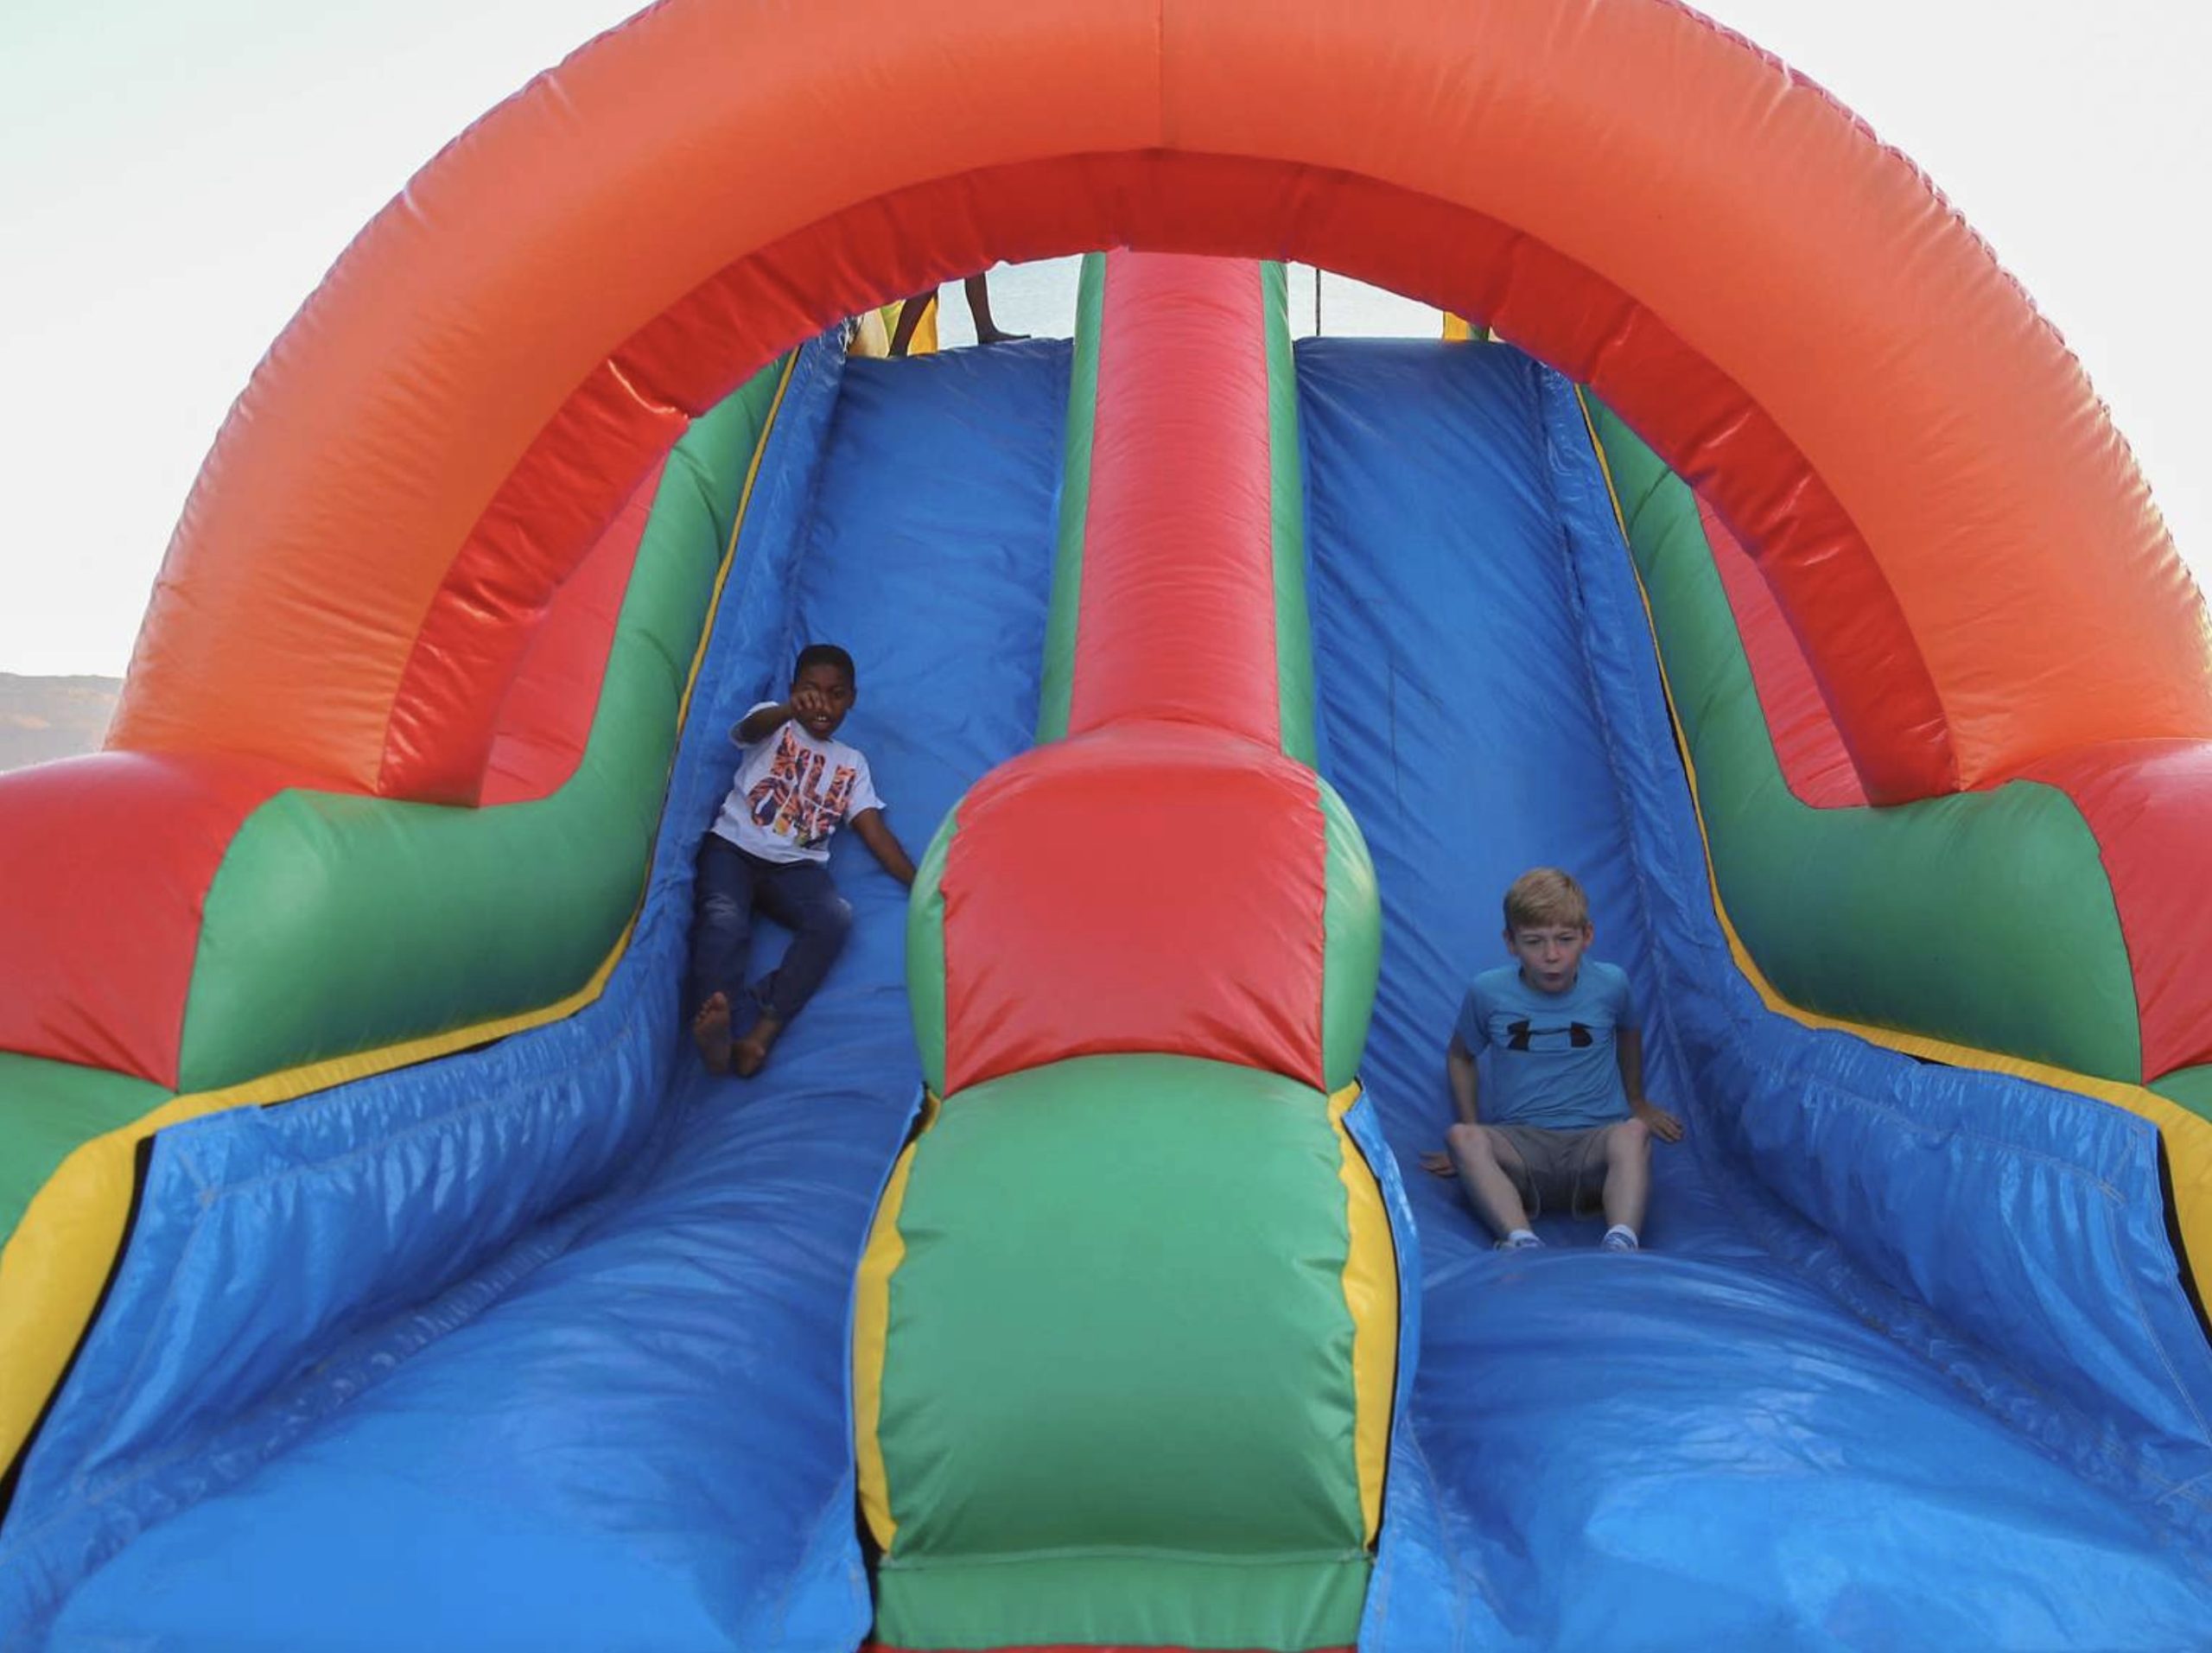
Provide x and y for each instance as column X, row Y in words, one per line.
column 1437, row 1163
column 1661, row 1123
column 807, row 703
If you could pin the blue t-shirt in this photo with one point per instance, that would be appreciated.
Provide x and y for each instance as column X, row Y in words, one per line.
column 1554, row 1056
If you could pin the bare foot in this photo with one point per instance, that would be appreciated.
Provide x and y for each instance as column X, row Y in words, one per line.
column 997, row 336
column 750, row 1054
column 710, row 1032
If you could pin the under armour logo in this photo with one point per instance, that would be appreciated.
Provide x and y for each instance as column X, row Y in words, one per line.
column 1521, row 1035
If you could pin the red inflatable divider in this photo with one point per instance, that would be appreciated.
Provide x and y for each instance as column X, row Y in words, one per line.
column 1128, row 837
column 1170, row 811
column 1177, row 615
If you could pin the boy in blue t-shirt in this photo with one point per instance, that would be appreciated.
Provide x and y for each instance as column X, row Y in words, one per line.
column 1566, row 1120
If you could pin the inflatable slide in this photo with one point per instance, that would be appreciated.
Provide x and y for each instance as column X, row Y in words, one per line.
column 383, row 1269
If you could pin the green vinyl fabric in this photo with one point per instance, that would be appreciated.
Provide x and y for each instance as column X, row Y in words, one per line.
column 925, row 987
column 1287, row 493
column 1164, row 1452
column 1055, row 699
column 1351, row 959
column 338, row 924
column 2189, row 1086
column 1984, row 918
column 53, row 1107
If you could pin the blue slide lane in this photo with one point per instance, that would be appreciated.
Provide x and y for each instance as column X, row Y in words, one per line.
column 632, row 1428
column 1700, row 1445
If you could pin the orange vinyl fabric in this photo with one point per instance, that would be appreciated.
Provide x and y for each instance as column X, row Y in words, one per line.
column 1945, row 463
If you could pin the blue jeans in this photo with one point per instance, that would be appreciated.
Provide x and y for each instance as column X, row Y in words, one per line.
column 799, row 894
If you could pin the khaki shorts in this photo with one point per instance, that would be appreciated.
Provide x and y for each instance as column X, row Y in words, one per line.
column 1565, row 1170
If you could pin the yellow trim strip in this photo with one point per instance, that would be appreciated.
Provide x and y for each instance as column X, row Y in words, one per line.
column 56, row 1263
column 1371, row 1294
column 887, row 1250
column 2188, row 1137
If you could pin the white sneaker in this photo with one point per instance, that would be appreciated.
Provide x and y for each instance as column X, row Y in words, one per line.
column 1519, row 1243
column 1620, row 1239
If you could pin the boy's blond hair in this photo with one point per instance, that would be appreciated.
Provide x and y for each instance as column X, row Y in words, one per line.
column 1544, row 896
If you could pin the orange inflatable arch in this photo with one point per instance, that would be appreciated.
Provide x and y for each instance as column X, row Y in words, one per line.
column 1785, row 308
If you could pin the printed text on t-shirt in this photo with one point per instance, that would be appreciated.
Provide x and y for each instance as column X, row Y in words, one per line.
column 789, row 800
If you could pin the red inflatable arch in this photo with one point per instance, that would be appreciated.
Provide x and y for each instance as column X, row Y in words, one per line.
column 1783, row 306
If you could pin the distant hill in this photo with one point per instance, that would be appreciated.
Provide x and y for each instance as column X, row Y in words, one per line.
column 53, row 717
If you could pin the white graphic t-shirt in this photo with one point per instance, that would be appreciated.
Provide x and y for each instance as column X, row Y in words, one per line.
column 793, row 793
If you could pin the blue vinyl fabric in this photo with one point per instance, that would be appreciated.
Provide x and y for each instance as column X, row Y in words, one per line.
column 630, row 1427
column 1906, row 1364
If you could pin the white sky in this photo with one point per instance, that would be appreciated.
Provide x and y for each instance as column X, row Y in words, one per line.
column 163, row 213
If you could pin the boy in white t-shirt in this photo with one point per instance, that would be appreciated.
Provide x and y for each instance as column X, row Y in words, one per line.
column 769, row 847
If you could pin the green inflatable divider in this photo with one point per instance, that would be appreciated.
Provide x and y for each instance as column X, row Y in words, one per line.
column 1351, row 959
column 1167, row 1185
column 1059, row 690
column 925, row 989
column 339, row 924
column 1984, row 919
column 50, row 1108
column 1287, row 489
column 2191, row 1087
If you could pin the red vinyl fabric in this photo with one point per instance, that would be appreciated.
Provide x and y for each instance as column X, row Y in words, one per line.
column 557, row 504
column 1177, row 615
column 2149, row 805
column 546, row 723
column 112, row 857
column 1816, row 765
column 1170, row 809
column 1125, row 837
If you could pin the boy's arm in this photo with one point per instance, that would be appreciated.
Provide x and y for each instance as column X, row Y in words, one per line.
column 1628, row 1049
column 761, row 722
column 884, row 845
column 764, row 720
column 1459, row 1069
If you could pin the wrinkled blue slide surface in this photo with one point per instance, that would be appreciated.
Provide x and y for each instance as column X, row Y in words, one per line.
column 645, row 1442
column 1693, row 1447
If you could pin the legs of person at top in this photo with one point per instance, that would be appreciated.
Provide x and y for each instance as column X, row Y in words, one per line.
column 978, row 288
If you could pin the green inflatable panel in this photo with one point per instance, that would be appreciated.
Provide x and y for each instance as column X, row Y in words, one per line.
column 338, row 924
column 1983, row 918
column 1117, row 1396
